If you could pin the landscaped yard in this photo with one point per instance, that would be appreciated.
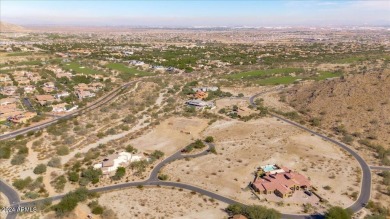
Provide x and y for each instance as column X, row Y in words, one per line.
column 126, row 70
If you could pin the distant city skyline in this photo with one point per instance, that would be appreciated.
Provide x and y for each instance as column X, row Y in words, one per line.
column 189, row 13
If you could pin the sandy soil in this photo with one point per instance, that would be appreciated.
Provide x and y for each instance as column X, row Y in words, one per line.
column 272, row 100
column 171, row 135
column 242, row 147
column 137, row 203
column 3, row 202
column 247, row 91
column 379, row 190
column 228, row 103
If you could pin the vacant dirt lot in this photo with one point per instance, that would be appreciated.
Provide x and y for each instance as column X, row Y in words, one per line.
column 242, row 147
column 171, row 135
column 169, row 203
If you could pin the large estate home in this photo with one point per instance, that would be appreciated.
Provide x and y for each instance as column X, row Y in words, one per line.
column 281, row 181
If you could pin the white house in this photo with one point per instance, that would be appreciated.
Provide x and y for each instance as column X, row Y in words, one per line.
column 62, row 94
column 58, row 108
column 112, row 162
column 199, row 103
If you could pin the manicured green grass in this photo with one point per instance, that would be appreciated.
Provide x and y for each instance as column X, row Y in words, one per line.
column 290, row 79
column 77, row 68
column 264, row 73
column 277, row 80
column 126, row 70
column 325, row 74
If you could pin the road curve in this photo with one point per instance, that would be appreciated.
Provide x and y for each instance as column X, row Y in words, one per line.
column 365, row 191
column 12, row 196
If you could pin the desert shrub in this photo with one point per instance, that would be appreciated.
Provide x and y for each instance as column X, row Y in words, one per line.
column 70, row 201
column 59, row 183
column 18, row 159
column 139, row 166
column 97, row 210
column 31, row 195
column 62, row 150
column 163, row 177
column 39, row 169
column 156, row 155
column 109, row 214
column 129, row 119
column 73, row 176
column 20, row 184
column 209, row 139
column 315, row 122
column 54, row 162
column 253, row 211
column 347, row 139
column 5, row 151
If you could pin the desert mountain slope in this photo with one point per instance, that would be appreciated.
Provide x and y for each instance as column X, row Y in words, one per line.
column 6, row 27
column 360, row 103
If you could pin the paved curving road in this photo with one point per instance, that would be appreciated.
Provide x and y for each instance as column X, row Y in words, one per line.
column 365, row 190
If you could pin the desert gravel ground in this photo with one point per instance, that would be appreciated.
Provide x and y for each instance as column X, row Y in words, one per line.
column 162, row 202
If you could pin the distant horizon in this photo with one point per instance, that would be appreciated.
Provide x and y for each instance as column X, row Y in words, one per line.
column 192, row 14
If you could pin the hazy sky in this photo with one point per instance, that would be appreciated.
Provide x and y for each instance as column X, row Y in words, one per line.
column 196, row 13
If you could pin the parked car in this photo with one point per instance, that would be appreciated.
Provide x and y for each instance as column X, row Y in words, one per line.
column 307, row 192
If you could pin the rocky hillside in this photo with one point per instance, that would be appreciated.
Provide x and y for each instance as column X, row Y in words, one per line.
column 6, row 27
column 357, row 106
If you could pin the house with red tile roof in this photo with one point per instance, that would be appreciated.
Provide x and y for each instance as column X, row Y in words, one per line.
column 283, row 183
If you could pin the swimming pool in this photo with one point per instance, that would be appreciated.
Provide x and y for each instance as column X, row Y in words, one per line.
column 268, row 168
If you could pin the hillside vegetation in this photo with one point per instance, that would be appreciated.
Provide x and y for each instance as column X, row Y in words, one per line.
column 356, row 106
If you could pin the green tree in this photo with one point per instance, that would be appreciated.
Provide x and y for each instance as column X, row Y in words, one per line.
column 131, row 149
column 120, row 173
column 338, row 213
column 92, row 175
